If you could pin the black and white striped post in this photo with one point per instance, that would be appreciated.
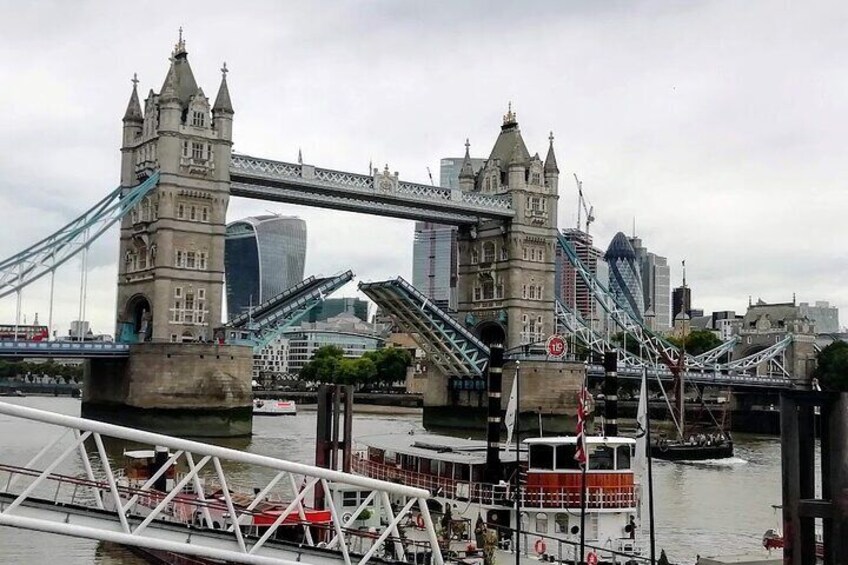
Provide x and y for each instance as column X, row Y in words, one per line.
column 493, row 430
column 611, row 393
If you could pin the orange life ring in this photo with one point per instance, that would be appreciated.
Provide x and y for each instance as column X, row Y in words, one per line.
column 419, row 521
column 540, row 546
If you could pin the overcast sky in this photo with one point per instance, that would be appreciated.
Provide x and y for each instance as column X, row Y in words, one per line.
column 718, row 126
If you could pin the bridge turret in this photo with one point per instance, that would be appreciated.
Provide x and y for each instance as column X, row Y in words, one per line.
column 170, row 278
column 466, row 173
column 222, row 111
column 551, row 168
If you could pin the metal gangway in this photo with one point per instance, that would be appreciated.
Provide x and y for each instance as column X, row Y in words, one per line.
column 92, row 501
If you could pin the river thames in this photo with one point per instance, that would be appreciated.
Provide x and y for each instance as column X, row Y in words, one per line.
column 705, row 509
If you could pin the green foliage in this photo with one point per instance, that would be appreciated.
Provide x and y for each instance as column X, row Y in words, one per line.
column 381, row 367
column 28, row 371
column 832, row 369
column 697, row 342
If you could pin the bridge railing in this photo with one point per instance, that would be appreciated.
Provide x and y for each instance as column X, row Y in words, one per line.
column 72, row 487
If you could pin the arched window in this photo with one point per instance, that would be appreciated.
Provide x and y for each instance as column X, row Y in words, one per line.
column 488, row 252
column 474, row 256
column 488, row 290
column 541, row 523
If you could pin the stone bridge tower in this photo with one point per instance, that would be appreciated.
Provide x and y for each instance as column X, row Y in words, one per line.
column 506, row 270
column 171, row 264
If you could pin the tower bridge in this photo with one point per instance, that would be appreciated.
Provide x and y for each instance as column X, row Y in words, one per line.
column 178, row 174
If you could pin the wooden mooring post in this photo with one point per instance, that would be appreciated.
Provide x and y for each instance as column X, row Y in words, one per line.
column 333, row 433
column 801, row 508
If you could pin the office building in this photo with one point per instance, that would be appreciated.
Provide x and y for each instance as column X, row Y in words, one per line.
column 681, row 300
column 305, row 342
column 570, row 287
column 263, row 256
column 434, row 250
column 625, row 280
column 824, row 316
column 656, row 286
column 332, row 307
column 272, row 361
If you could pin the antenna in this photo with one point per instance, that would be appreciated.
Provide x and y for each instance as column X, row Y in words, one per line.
column 429, row 174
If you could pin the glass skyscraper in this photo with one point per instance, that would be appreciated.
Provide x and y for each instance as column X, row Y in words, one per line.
column 434, row 250
column 625, row 279
column 263, row 256
column 656, row 286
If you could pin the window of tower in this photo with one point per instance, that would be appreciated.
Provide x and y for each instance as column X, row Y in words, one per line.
column 197, row 152
column 504, row 253
column 478, row 293
column 488, row 252
column 198, row 119
column 190, row 260
column 474, row 256
column 204, row 214
column 536, row 179
column 179, row 259
column 192, row 213
column 180, row 211
column 488, row 290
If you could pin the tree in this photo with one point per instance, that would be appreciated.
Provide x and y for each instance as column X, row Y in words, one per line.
column 697, row 342
column 391, row 364
column 832, row 369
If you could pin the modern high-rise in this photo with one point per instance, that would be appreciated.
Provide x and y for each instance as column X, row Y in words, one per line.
column 434, row 251
column 625, row 282
column 570, row 287
column 681, row 300
column 263, row 256
column 656, row 286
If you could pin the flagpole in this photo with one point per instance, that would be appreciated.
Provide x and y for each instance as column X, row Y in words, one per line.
column 517, row 463
column 583, row 477
column 650, row 471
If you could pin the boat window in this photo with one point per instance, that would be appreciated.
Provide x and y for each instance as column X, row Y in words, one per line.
column 447, row 469
column 561, row 522
column 350, row 498
column 463, row 472
column 622, row 455
column 565, row 457
column 477, row 473
column 541, row 523
column 541, row 456
column 600, row 458
column 375, row 454
column 424, row 466
column 391, row 457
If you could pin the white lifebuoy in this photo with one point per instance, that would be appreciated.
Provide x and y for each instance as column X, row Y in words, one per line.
column 540, row 546
column 419, row 521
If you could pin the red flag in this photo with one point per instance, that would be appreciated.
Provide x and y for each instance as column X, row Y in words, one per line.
column 582, row 402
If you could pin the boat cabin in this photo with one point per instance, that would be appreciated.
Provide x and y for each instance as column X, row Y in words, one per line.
column 554, row 477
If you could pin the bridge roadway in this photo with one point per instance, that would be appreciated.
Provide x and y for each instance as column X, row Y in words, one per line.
column 706, row 378
column 64, row 349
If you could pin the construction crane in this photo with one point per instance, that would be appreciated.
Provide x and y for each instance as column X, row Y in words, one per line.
column 583, row 207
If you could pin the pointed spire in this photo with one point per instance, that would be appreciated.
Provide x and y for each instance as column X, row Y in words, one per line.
column 467, row 170
column 299, row 157
column 169, row 89
column 510, row 117
column 222, row 101
column 550, row 160
column 133, row 113
column 180, row 48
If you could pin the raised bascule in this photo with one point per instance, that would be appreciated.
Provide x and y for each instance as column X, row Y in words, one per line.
column 176, row 362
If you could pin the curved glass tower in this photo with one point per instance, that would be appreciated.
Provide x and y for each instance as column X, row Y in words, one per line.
column 263, row 256
column 625, row 281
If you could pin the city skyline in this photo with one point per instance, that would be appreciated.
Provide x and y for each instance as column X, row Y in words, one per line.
column 629, row 168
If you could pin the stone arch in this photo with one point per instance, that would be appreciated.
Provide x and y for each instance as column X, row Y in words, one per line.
column 139, row 318
column 491, row 332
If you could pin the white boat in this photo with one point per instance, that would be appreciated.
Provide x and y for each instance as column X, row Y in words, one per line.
column 274, row 407
column 454, row 471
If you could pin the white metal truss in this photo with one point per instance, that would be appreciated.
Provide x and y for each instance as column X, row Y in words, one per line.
column 198, row 515
column 572, row 323
column 658, row 350
column 47, row 255
column 455, row 350
column 381, row 194
column 264, row 322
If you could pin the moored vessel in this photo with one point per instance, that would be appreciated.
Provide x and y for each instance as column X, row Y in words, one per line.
column 274, row 407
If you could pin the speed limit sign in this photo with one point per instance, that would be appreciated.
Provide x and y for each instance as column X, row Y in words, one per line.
column 592, row 558
column 555, row 346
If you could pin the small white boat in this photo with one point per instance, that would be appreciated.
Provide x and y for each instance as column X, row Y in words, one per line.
column 274, row 407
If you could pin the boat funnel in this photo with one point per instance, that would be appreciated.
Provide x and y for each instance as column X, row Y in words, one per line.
column 611, row 393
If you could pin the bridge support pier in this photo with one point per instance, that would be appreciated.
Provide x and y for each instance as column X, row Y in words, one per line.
column 193, row 390
column 548, row 388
